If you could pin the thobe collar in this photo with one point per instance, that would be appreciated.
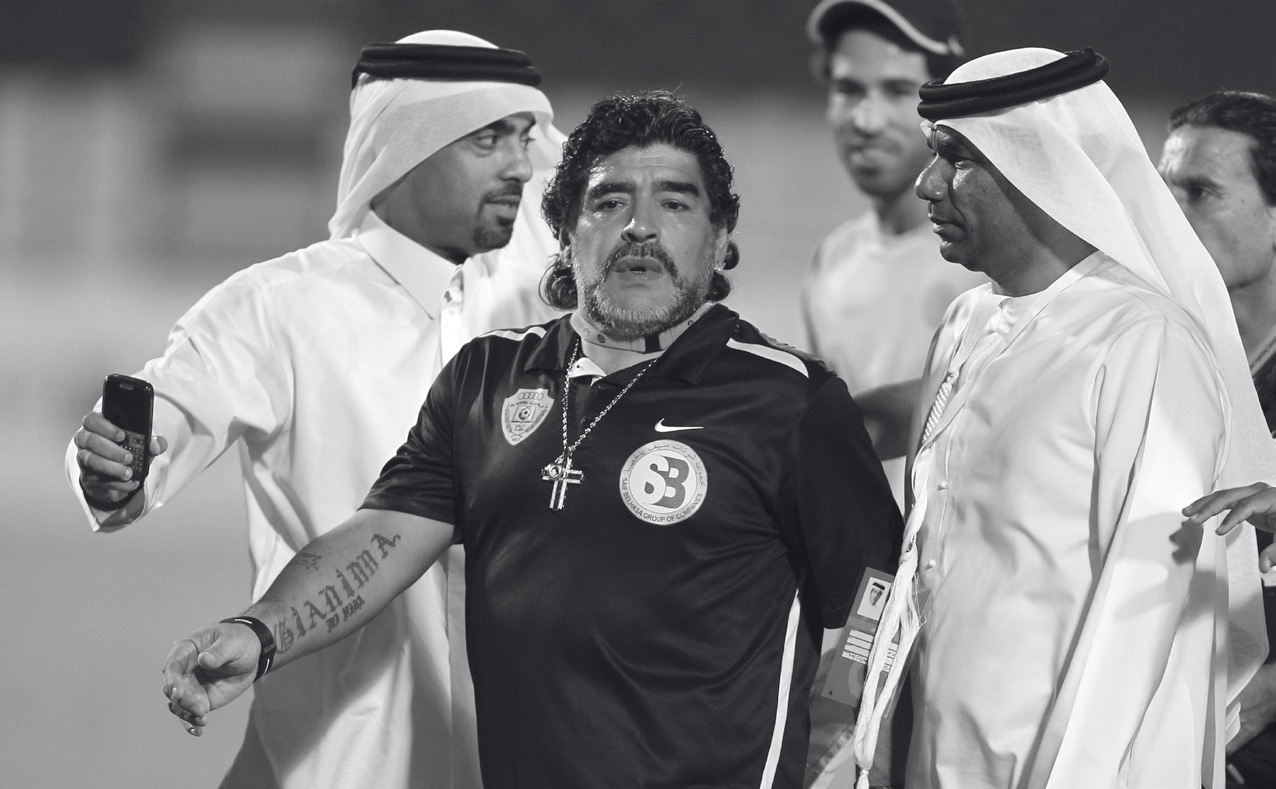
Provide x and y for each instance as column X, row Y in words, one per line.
column 1009, row 317
column 423, row 274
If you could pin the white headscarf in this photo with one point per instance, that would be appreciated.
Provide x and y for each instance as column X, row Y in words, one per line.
column 396, row 124
column 1078, row 156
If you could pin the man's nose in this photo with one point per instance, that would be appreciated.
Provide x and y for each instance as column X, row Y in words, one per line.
column 518, row 165
column 930, row 184
column 868, row 114
column 641, row 226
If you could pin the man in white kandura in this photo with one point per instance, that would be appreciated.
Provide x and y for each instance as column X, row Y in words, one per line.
column 314, row 365
column 1071, row 628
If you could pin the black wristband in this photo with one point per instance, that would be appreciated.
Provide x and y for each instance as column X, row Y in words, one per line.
column 267, row 654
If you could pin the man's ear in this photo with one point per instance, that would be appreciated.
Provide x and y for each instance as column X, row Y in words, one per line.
column 721, row 243
column 565, row 238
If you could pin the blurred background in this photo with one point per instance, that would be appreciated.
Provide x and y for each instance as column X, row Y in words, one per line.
column 150, row 148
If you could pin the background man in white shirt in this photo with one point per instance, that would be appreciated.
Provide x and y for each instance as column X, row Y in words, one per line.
column 1071, row 630
column 877, row 287
column 314, row 366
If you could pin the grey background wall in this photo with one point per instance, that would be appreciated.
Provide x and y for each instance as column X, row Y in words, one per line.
column 149, row 148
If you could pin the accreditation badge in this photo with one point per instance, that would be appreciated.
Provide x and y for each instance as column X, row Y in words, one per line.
column 523, row 412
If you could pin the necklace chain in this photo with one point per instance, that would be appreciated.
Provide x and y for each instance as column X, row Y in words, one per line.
column 560, row 472
column 568, row 450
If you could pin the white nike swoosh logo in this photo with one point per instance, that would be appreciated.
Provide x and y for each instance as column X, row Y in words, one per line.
column 661, row 427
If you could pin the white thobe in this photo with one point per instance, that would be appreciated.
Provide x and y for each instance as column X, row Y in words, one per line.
column 315, row 365
column 871, row 303
column 1068, row 612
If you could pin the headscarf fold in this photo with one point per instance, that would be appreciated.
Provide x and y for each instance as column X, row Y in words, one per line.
column 396, row 124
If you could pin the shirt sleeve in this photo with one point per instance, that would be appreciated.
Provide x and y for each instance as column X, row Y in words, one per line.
column 840, row 499
column 1160, row 418
column 418, row 480
column 222, row 377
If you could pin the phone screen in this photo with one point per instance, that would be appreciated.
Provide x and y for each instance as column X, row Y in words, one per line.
column 127, row 403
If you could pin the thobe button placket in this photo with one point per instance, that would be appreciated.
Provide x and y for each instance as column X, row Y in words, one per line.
column 451, row 328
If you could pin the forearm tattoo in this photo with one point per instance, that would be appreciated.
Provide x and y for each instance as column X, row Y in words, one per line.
column 336, row 600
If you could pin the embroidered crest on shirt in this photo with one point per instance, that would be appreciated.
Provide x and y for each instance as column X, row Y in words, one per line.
column 523, row 412
column 663, row 482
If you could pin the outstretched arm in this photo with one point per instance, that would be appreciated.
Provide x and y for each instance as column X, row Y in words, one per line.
column 328, row 590
column 1254, row 503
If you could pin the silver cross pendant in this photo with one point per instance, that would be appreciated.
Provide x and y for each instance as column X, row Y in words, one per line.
column 561, row 473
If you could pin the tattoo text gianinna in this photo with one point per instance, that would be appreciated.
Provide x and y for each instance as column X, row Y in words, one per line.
column 335, row 602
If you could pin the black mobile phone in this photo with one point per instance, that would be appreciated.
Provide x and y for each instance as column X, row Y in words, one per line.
column 127, row 403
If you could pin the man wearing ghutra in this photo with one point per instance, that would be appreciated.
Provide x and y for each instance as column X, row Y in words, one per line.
column 1070, row 628
column 314, row 365
column 661, row 508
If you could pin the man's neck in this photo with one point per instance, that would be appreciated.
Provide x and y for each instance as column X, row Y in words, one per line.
column 612, row 353
column 899, row 214
column 403, row 226
column 1255, row 308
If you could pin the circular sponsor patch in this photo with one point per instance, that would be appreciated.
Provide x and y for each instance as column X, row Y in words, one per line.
column 663, row 482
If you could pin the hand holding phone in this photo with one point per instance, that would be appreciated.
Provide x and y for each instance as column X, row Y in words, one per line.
column 127, row 403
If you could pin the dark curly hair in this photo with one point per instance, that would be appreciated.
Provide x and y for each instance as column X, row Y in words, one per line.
column 1251, row 114
column 624, row 121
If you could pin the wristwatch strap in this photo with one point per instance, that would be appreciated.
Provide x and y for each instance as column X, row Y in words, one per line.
column 267, row 655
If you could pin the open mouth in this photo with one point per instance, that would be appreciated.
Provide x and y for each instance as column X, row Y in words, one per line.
column 639, row 266
column 639, row 261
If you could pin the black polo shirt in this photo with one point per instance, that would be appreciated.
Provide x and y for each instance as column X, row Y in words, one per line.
column 663, row 628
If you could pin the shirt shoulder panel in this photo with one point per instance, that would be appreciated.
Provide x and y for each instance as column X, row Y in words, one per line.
column 787, row 358
column 747, row 338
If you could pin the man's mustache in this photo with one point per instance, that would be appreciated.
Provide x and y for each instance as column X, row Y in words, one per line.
column 504, row 193
column 647, row 251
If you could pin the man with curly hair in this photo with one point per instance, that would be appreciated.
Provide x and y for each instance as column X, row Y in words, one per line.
column 661, row 508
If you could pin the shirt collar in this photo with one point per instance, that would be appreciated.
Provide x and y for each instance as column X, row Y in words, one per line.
column 423, row 274
column 592, row 335
column 685, row 360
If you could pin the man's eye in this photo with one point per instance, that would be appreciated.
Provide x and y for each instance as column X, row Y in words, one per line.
column 486, row 141
column 954, row 156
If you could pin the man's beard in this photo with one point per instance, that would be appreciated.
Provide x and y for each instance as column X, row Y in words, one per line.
column 487, row 238
column 631, row 323
column 496, row 236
